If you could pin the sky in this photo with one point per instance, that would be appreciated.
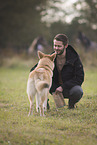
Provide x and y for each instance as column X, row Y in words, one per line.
column 64, row 6
column 68, row 6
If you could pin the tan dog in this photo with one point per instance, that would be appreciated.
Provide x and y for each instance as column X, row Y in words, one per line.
column 39, row 82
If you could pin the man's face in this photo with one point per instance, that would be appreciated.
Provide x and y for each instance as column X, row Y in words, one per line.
column 58, row 47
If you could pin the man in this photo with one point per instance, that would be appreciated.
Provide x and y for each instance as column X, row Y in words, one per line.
column 68, row 74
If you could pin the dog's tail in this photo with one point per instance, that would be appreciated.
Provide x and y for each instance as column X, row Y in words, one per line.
column 41, row 85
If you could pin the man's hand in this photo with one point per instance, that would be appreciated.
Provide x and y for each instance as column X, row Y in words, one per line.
column 59, row 90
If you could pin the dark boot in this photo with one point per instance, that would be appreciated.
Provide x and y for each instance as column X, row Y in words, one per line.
column 75, row 95
column 71, row 105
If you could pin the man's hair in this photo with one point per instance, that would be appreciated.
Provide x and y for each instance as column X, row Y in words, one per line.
column 62, row 37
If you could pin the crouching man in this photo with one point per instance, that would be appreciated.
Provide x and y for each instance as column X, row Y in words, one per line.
column 68, row 74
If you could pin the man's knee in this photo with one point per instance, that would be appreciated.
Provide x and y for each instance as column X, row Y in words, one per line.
column 76, row 91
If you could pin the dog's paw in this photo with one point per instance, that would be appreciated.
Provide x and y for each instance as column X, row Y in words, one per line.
column 44, row 115
column 30, row 114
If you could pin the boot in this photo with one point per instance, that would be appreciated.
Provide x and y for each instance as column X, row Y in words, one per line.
column 71, row 105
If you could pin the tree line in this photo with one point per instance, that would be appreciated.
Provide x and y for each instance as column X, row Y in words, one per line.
column 21, row 21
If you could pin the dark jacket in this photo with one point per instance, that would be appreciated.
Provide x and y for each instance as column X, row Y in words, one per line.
column 72, row 72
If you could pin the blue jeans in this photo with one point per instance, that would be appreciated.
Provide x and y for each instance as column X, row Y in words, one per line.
column 74, row 95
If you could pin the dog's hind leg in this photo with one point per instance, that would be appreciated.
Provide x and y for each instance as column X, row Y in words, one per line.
column 37, row 102
column 45, row 101
column 41, row 109
column 31, row 99
column 41, row 106
column 31, row 91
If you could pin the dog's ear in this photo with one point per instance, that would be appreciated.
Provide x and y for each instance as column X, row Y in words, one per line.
column 53, row 56
column 40, row 54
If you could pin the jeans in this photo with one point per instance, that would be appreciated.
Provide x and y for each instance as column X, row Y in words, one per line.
column 74, row 95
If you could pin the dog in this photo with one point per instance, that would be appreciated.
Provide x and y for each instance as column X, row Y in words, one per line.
column 40, row 81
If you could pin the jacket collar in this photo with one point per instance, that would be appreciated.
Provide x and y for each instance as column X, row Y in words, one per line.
column 71, row 55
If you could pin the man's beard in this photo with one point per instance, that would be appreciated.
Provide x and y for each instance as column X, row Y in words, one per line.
column 61, row 52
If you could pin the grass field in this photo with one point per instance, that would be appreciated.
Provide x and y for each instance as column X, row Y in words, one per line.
column 62, row 127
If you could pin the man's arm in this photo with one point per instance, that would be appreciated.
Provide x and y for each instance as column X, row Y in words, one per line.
column 33, row 67
column 78, row 76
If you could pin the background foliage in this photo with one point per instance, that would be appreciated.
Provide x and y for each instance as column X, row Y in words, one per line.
column 22, row 21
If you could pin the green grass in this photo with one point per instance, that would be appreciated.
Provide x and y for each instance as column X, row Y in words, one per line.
column 62, row 127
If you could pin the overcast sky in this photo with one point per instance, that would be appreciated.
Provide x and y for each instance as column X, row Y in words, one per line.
column 63, row 6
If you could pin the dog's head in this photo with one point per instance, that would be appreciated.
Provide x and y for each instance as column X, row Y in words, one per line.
column 42, row 55
column 46, row 59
